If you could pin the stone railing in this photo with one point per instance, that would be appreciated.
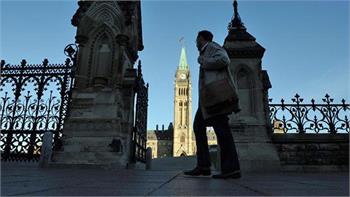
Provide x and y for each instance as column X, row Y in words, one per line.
column 311, row 136
column 313, row 151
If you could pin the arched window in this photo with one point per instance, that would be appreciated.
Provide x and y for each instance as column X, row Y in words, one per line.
column 182, row 139
column 180, row 112
column 245, row 88
column 102, row 59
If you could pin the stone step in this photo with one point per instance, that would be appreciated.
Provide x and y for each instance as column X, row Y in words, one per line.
column 81, row 165
column 259, row 165
column 174, row 163
column 186, row 163
column 86, row 157
column 92, row 133
column 87, row 148
column 94, row 141
column 90, row 144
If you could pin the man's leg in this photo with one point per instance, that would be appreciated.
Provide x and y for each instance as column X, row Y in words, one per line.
column 203, row 160
column 228, row 153
column 200, row 132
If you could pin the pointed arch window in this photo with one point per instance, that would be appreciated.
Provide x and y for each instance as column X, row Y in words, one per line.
column 180, row 112
column 245, row 86
column 182, row 138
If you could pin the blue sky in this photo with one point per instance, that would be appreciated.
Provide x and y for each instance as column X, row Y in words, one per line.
column 306, row 42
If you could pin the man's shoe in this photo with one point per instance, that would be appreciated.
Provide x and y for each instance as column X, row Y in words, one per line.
column 197, row 171
column 232, row 175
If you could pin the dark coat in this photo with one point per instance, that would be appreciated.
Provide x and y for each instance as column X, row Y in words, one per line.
column 214, row 66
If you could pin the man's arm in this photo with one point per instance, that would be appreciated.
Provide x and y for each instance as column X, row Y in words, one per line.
column 219, row 60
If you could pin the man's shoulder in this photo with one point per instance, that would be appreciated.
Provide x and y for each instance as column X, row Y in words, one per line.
column 214, row 45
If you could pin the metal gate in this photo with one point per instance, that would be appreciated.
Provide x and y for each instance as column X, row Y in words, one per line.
column 139, row 133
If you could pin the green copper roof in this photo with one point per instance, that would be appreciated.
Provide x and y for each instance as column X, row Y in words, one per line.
column 183, row 60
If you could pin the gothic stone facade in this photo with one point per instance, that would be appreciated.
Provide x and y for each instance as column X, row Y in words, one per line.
column 109, row 36
column 183, row 137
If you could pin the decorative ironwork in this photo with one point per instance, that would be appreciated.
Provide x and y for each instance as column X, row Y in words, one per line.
column 34, row 99
column 139, row 137
column 310, row 118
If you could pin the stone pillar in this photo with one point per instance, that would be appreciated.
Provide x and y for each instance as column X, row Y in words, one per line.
column 46, row 150
column 251, row 126
column 149, row 158
column 98, row 128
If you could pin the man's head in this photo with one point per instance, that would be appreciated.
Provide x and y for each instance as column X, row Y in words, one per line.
column 203, row 37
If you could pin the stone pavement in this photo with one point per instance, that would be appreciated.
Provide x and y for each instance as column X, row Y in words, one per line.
column 26, row 179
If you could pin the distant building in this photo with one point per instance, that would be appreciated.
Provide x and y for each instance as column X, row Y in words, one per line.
column 184, row 139
column 278, row 127
column 161, row 141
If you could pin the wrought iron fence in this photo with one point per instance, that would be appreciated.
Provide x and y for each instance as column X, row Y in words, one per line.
column 34, row 99
column 139, row 137
column 310, row 118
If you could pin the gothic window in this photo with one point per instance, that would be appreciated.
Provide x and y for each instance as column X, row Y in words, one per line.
column 245, row 86
column 185, row 112
column 180, row 112
column 244, row 79
column 103, row 59
column 182, row 138
column 187, row 117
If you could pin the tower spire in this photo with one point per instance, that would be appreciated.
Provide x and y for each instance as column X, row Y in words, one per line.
column 183, row 59
column 236, row 22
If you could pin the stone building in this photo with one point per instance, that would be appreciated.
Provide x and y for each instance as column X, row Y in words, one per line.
column 278, row 127
column 184, row 139
column 161, row 141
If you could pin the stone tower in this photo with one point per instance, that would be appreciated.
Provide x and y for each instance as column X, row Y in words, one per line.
column 109, row 36
column 251, row 125
column 183, row 144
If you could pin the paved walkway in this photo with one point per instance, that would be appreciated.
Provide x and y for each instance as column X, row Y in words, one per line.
column 28, row 180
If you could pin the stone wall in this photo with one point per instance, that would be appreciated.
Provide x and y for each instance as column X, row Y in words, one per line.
column 313, row 149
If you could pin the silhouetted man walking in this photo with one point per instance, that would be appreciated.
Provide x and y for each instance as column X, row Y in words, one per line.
column 215, row 85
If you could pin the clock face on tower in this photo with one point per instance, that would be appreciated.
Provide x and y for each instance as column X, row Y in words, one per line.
column 183, row 76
